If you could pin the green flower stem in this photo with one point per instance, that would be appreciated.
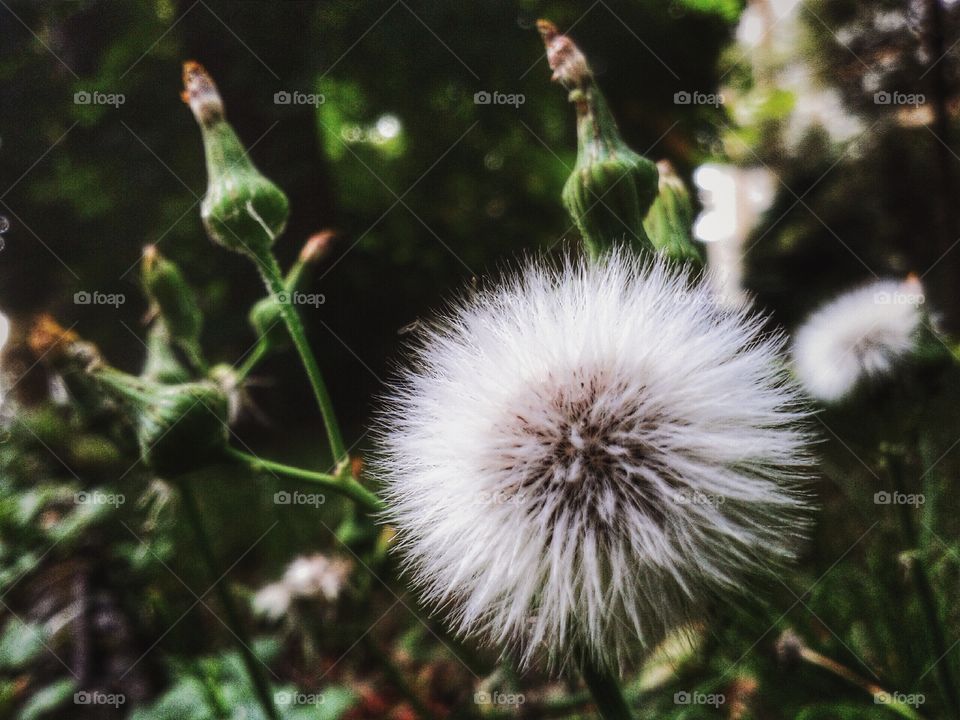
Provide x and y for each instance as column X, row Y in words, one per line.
column 273, row 277
column 606, row 691
column 254, row 669
column 342, row 483
column 254, row 357
column 925, row 594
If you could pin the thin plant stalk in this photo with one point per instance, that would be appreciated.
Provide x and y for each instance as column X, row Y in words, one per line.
column 253, row 667
column 606, row 691
column 253, row 358
column 343, row 483
column 842, row 671
column 926, row 596
column 273, row 278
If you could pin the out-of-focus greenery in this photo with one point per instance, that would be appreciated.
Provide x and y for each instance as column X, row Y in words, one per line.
column 458, row 189
column 426, row 190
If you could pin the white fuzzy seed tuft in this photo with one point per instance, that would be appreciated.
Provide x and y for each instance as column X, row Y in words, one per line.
column 860, row 334
column 579, row 458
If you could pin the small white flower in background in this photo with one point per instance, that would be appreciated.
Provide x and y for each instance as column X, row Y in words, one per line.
column 578, row 458
column 317, row 576
column 272, row 601
column 309, row 577
column 860, row 334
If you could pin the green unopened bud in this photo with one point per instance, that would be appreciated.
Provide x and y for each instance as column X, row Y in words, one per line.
column 178, row 426
column 266, row 315
column 242, row 210
column 611, row 187
column 174, row 301
column 669, row 224
column 316, row 247
column 184, row 426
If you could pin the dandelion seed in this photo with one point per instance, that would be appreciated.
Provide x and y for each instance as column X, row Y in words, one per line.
column 861, row 334
column 642, row 443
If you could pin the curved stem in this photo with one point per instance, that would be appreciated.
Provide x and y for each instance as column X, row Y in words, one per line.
column 260, row 683
column 259, row 352
column 273, row 277
column 343, row 484
column 606, row 691
column 876, row 692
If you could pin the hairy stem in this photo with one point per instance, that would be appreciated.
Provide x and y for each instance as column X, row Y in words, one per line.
column 259, row 352
column 343, row 483
column 273, row 277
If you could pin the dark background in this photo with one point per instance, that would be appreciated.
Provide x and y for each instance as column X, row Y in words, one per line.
column 479, row 184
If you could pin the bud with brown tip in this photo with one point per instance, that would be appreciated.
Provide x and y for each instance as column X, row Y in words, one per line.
column 176, row 304
column 242, row 210
column 611, row 187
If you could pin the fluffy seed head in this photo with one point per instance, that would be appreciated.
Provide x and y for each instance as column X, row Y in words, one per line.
column 577, row 458
column 860, row 334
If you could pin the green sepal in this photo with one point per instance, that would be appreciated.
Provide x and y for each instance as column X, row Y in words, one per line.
column 669, row 223
column 176, row 304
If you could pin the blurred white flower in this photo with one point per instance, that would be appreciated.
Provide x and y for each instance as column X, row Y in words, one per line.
column 577, row 458
column 317, row 576
column 860, row 334
column 312, row 577
column 272, row 601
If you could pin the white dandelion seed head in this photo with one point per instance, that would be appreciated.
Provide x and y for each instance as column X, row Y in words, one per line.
column 578, row 458
column 860, row 334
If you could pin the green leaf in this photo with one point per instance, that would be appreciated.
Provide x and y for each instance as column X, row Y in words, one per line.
column 186, row 700
column 48, row 698
column 333, row 703
column 20, row 643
